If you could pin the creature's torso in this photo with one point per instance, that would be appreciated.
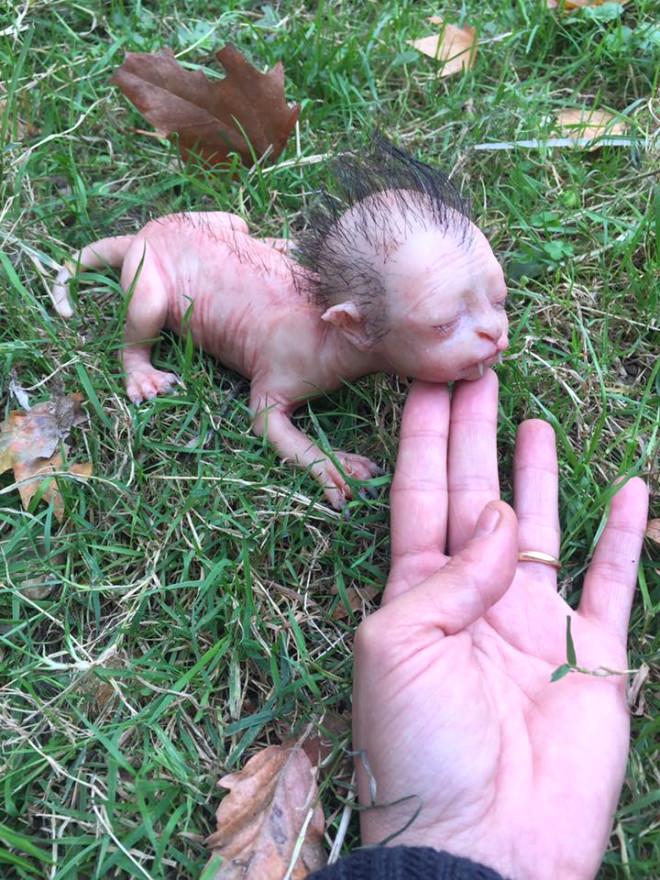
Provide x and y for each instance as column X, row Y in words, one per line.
column 237, row 297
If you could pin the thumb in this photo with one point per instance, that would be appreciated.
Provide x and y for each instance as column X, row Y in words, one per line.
column 472, row 581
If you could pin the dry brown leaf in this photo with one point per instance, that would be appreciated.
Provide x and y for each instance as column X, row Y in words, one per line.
column 38, row 588
column 28, row 443
column 260, row 820
column 653, row 530
column 455, row 46
column 96, row 687
column 587, row 123
column 319, row 747
column 244, row 112
column 356, row 600
column 571, row 5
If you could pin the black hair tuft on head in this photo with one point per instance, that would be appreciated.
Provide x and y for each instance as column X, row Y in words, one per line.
column 386, row 193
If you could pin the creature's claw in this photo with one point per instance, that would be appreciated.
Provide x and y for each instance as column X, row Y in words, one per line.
column 336, row 489
column 145, row 383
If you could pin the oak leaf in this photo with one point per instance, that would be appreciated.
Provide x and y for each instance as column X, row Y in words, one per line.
column 244, row 113
column 591, row 124
column 272, row 803
column 29, row 444
column 455, row 46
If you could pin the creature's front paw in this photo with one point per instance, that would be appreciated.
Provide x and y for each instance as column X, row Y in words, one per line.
column 335, row 487
column 145, row 383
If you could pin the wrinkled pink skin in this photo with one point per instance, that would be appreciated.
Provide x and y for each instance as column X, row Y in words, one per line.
column 445, row 304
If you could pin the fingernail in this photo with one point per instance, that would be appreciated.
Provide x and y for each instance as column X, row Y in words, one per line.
column 487, row 522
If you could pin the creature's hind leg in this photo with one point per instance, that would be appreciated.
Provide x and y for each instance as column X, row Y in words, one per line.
column 146, row 317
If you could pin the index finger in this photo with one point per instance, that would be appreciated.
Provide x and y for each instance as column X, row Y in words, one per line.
column 418, row 498
column 473, row 478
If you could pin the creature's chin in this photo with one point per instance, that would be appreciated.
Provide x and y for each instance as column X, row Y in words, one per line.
column 469, row 373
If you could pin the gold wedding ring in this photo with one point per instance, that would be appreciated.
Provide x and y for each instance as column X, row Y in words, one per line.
column 539, row 556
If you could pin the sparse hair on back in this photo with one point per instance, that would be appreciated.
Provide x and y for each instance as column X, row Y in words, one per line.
column 388, row 193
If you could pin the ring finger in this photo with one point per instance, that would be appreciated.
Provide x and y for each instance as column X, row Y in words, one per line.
column 536, row 491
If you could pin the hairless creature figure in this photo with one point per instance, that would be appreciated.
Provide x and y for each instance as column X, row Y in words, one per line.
column 391, row 276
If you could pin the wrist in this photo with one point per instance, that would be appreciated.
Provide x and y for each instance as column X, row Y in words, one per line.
column 409, row 825
column 514, row 858
column 395, row 862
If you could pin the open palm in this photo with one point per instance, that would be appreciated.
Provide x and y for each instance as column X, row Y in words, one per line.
column 467, row 745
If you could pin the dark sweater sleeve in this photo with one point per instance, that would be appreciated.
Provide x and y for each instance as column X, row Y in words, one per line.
column 404, row 863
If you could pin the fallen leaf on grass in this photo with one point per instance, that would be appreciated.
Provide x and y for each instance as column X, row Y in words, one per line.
column 43, row 471
column 97, row 683
column 455, row 46
column 37, row 588
column 356, row 600
column 591, row 124
column 272, row 802
column 571, row 5
column 334, row 728
column 244, row 113
column 28, row 444
column 653, row 530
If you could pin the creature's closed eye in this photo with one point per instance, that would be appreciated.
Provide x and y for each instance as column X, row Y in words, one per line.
column 500, row 304
column 446, row 329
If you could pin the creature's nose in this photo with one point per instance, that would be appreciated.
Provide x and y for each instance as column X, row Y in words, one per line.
column 492, row 327
column 489, row 327
column 492, row 334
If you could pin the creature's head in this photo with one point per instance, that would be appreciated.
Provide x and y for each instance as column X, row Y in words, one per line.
column 403, row 273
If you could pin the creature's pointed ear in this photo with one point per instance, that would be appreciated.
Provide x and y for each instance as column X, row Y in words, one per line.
column 348, row 318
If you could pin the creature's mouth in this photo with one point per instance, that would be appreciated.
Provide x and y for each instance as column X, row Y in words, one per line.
column 476, row 370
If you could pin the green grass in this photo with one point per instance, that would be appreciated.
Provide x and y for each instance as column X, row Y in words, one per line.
column 185, row 612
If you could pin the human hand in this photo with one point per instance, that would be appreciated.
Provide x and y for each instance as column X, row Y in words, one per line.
column 453, row 705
